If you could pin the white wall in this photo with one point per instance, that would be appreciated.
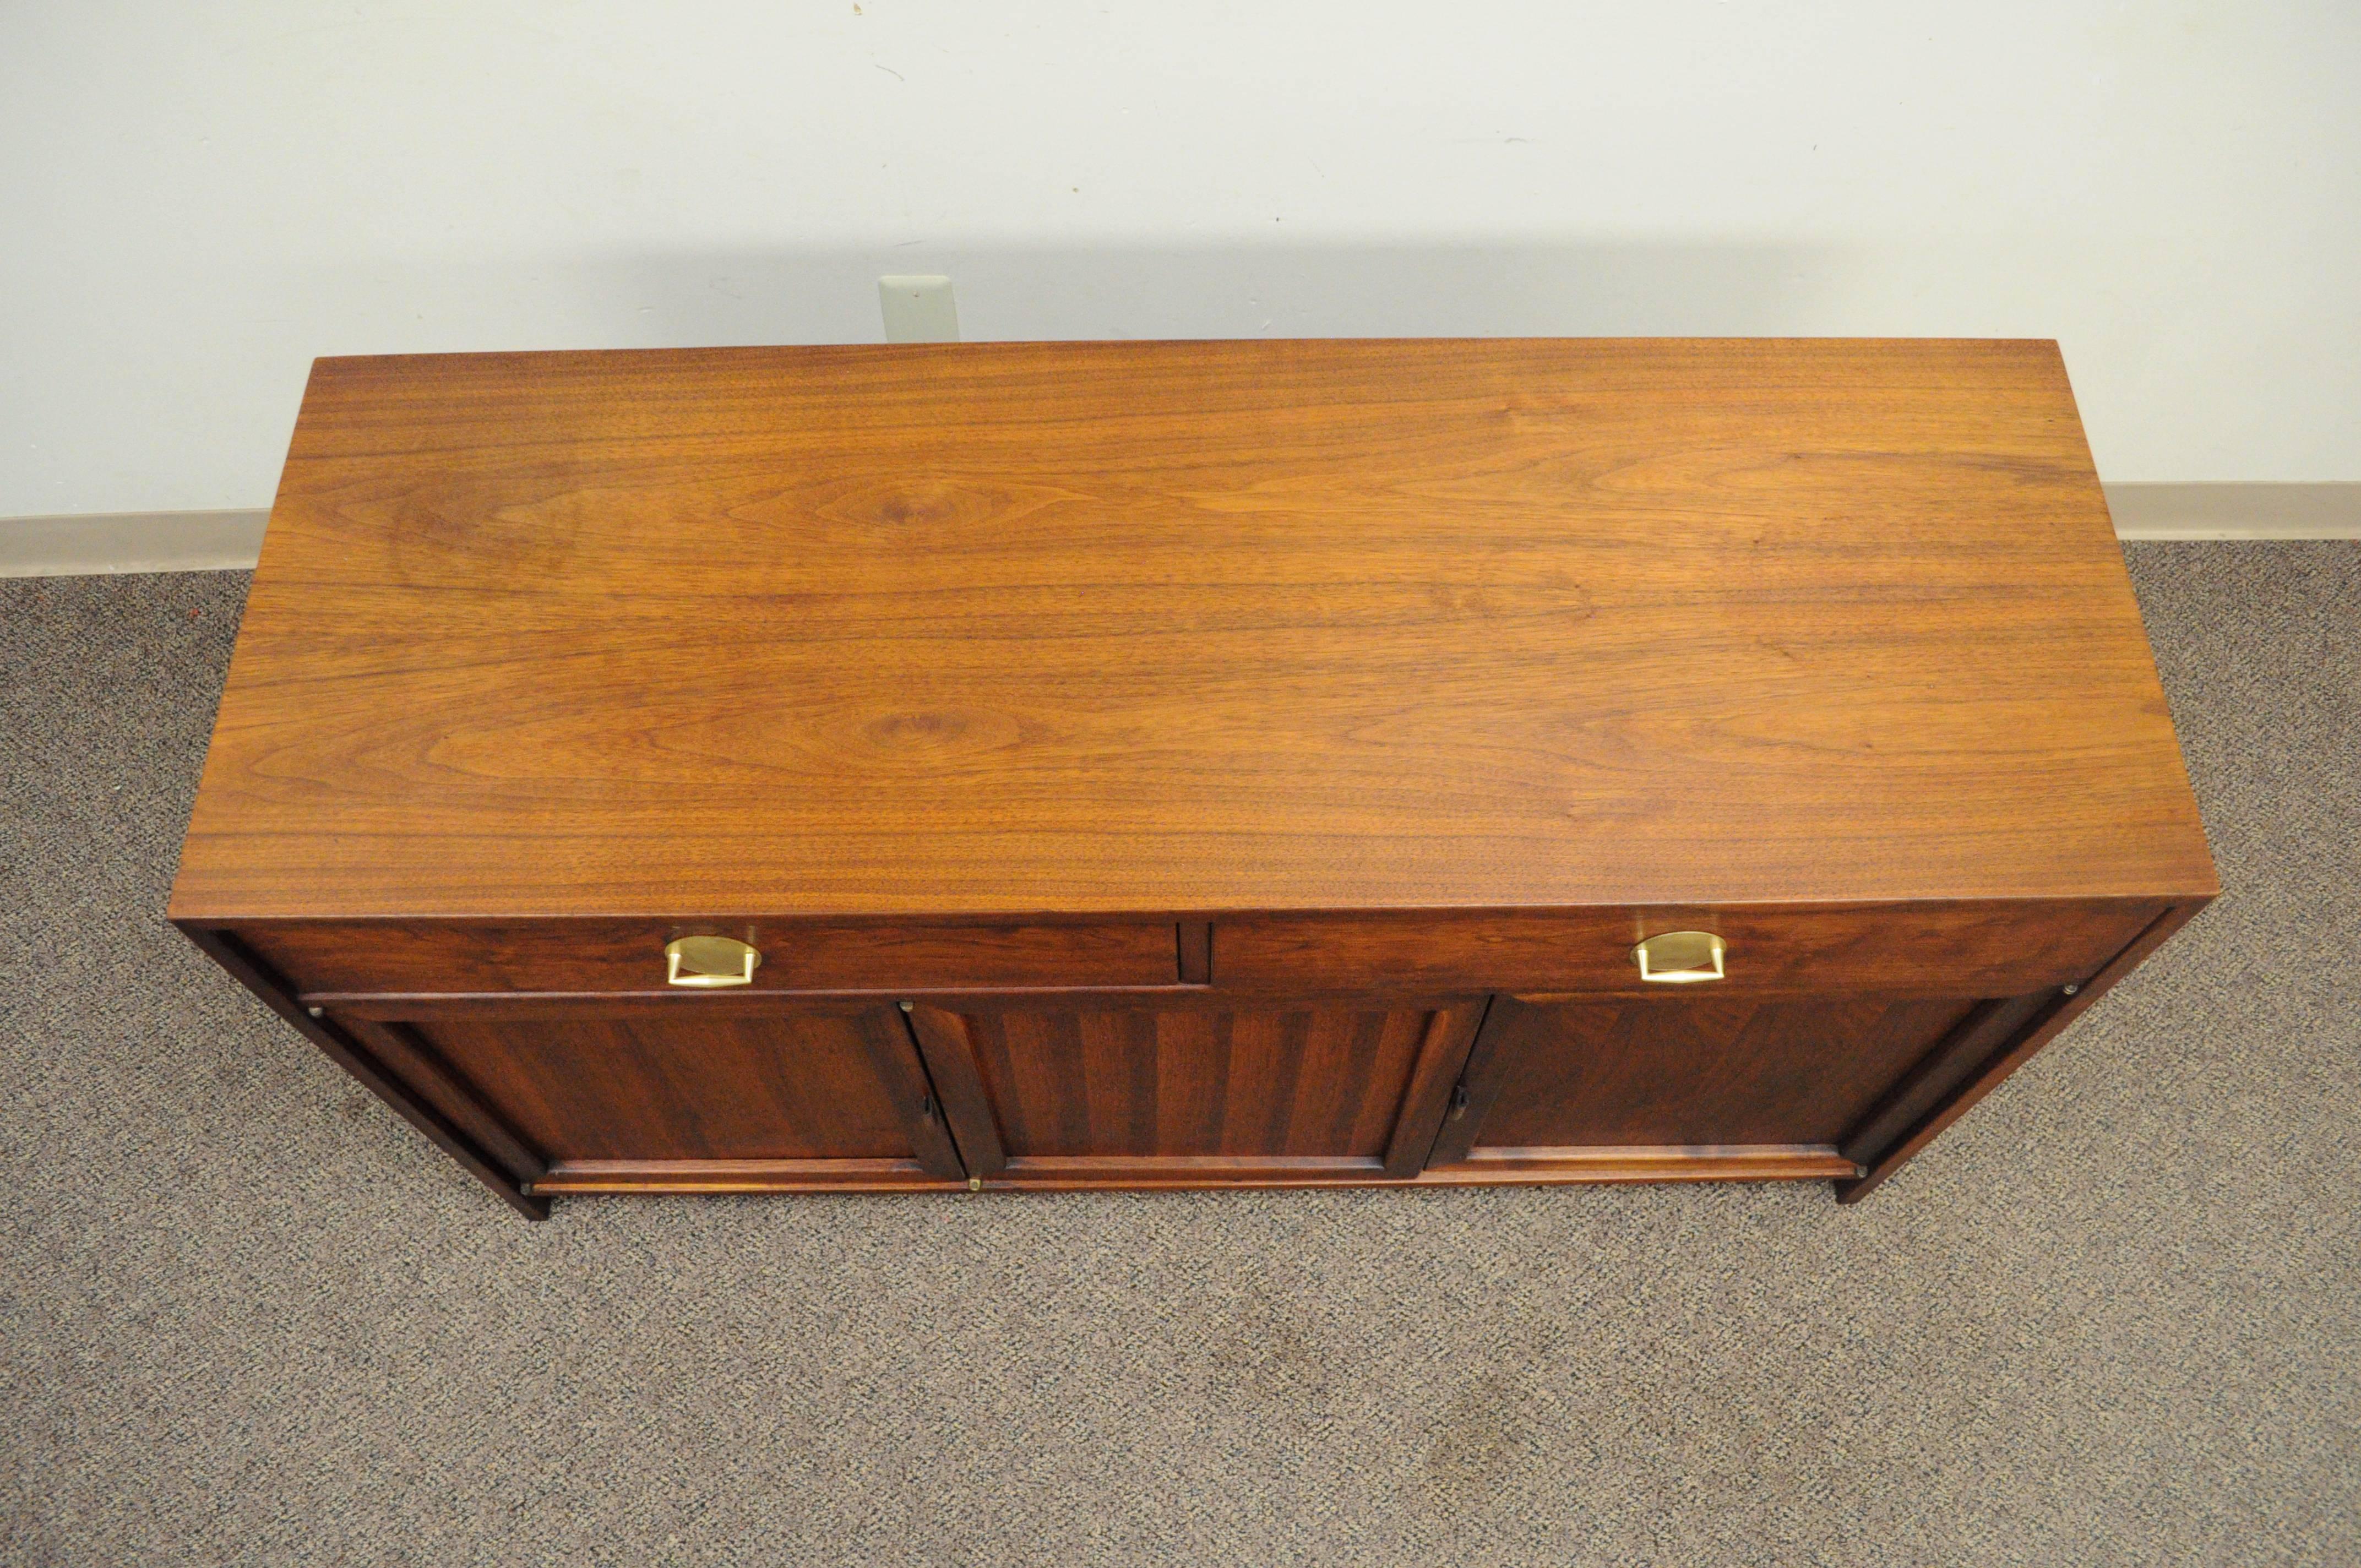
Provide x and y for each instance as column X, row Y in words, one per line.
column 198, row 200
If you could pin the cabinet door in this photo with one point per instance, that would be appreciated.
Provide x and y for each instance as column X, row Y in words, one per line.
column 689, row 1096
column 1194, row 1093
column 1683, row 1085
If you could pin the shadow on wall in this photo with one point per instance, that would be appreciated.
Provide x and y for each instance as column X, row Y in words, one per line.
column 1274, row 290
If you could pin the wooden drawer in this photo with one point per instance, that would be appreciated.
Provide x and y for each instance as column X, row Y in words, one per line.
column 1967, row 949
column 447, row 958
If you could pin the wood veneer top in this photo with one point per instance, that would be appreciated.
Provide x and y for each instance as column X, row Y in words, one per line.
column 1143, row 627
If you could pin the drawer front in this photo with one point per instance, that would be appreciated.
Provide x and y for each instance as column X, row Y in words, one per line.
column 1966, row 950
column 447, row 958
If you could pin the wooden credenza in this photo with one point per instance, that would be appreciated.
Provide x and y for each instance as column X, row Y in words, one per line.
column 1187, row 764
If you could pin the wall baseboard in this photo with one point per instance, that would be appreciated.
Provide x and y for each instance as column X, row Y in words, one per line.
column 94, row 543
column 2236, row 511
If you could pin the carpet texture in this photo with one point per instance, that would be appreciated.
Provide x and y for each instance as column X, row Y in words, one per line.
column 2113, row 1317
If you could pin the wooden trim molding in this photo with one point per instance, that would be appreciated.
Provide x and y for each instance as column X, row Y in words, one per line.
column 742, row 1176
column 1074, row 1172
column 1703, row 1162
column 1490, row 1168
column 1762, row 1162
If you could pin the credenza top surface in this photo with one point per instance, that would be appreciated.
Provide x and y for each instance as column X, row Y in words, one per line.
column 1091, row 628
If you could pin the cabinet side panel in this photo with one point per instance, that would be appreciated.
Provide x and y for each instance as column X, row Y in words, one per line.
column 1988, row 1027
column 417, row 1063
column 257, row 975
column 2040, row 1029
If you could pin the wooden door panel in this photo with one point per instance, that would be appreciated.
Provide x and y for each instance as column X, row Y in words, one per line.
column 1684, row 1079
column 1197, row 1082
column 1709, row 1072
column 1081, row 1094
column 710, row 1101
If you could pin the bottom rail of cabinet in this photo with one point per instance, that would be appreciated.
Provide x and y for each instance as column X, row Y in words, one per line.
column 1499, row 1166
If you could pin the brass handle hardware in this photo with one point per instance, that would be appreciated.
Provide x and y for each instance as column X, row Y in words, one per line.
column 1680, row 957
column 706, row 962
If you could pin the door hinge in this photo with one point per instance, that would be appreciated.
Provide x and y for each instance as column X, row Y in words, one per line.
column 1458, row 1100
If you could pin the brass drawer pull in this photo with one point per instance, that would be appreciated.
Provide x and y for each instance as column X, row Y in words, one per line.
column 1680, row 957
column 709, row 961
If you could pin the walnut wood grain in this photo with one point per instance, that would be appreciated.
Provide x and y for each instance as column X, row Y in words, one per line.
column 807, row 1085
column 893, row 1056
column 1963, row 948
column 1480, row 1080
column 339, row 956
column 411, row 1057
column 1200, row 738
column 1156, row 1091
column 1682, row 1069
column 943, row 1043
column 1196, row 939
column 687, row 1006
column 1986, row 1029
column 1031, row 630
column 1450, row 1031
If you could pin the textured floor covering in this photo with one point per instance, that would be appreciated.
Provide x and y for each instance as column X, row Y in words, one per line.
column 2115, row 1317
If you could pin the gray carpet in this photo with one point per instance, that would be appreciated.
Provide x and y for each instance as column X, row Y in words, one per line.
column 2115, row 1317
